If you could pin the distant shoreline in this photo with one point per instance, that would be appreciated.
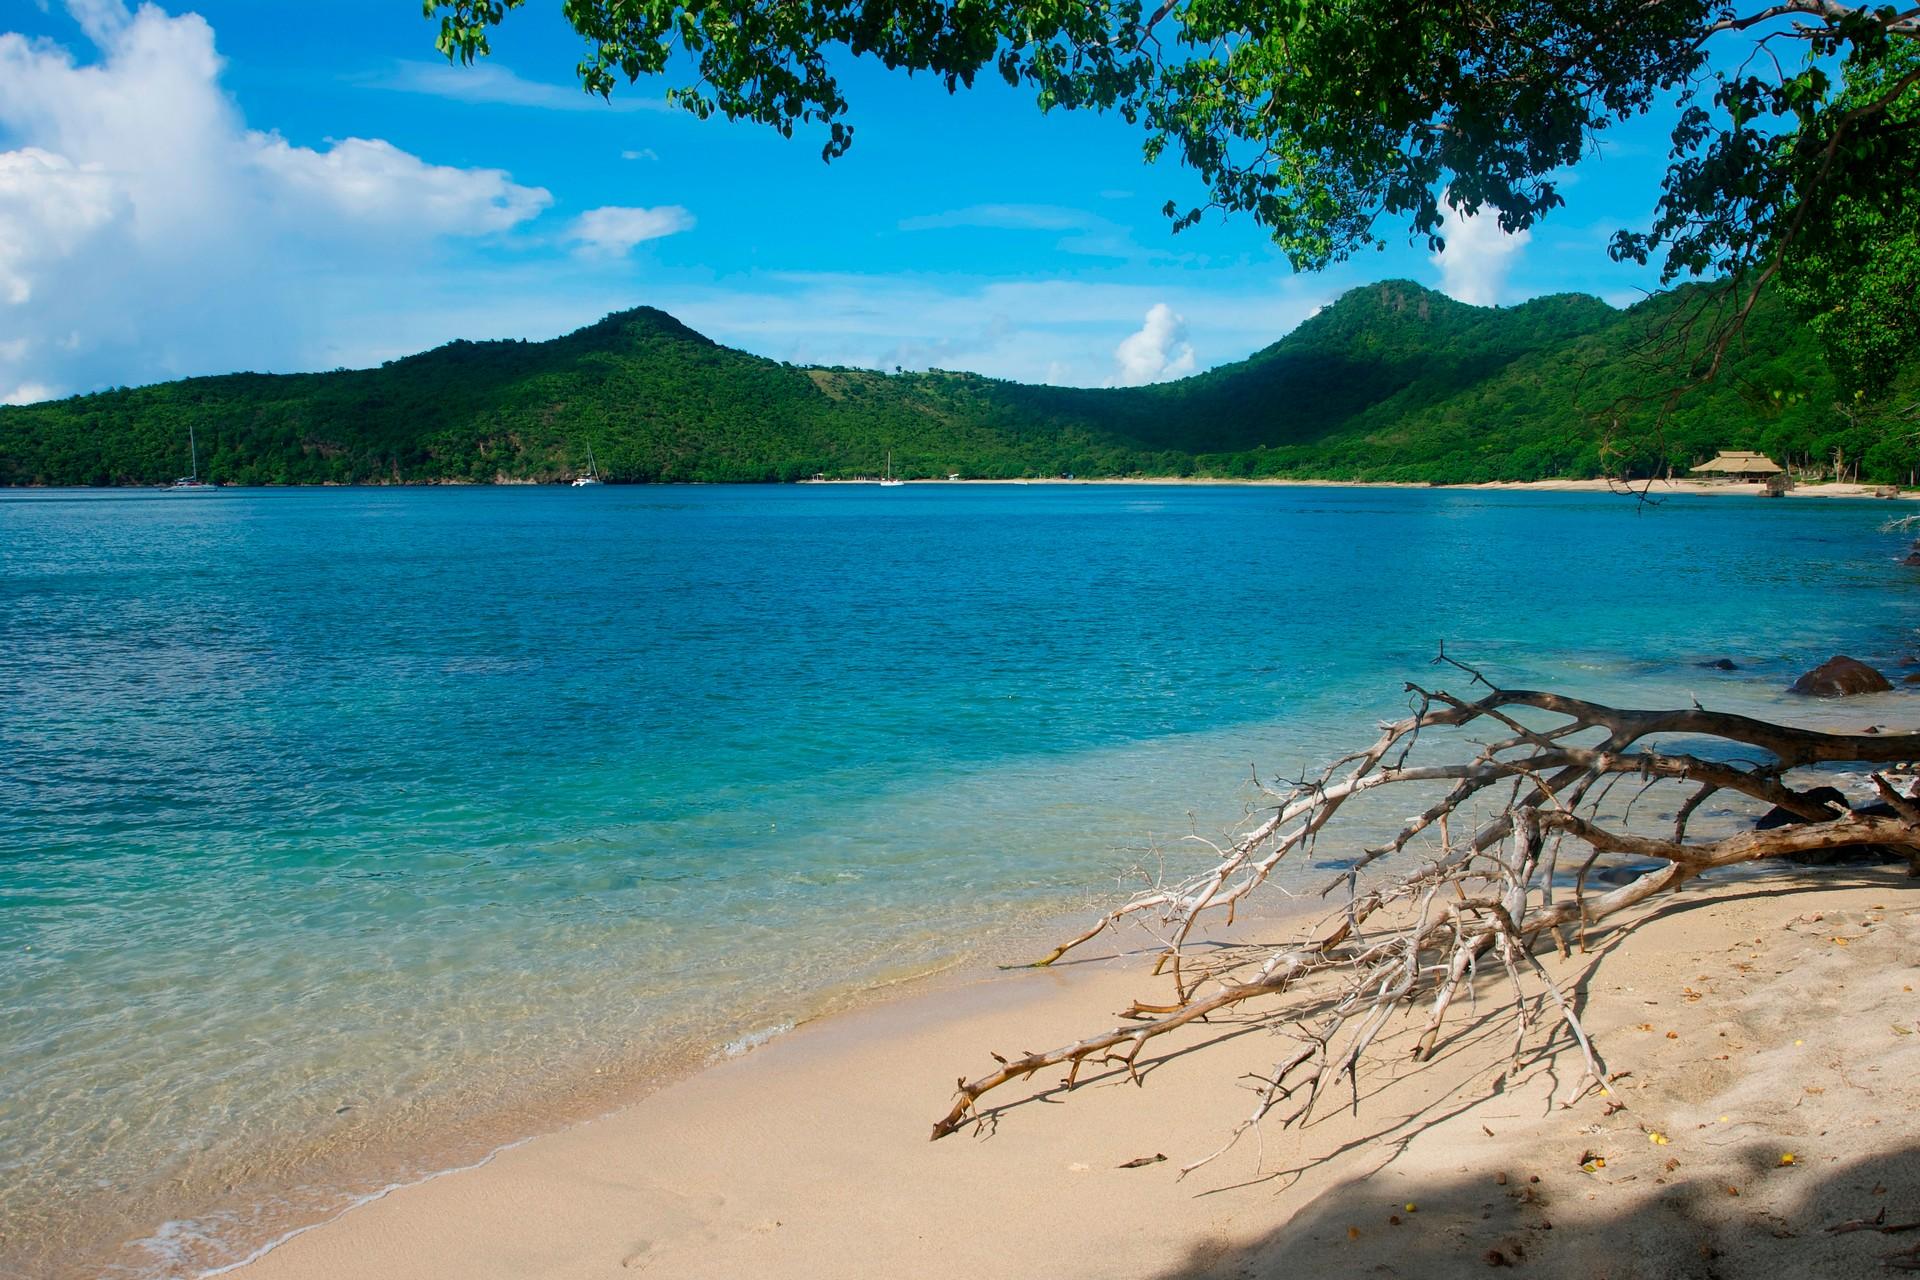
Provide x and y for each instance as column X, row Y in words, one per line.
column 1649, row 488
column 1655, row 489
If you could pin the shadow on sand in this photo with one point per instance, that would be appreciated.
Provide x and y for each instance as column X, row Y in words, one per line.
column 1780, row 1225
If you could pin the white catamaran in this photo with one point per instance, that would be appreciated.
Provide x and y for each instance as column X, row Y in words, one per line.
column 592, row 476
column 888, row 478
column 191, row 482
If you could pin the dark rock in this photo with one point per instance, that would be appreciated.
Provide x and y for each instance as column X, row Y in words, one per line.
column 1852, row 855
column 1722, row 664
column 1840, row 677
column 1912, row 677
column 1778, row 817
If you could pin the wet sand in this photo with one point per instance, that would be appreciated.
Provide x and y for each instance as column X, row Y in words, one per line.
column 1740, row 1023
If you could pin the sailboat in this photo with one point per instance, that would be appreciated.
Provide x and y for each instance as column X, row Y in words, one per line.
column 592, row 476
column 191, row 482
column 888, row 478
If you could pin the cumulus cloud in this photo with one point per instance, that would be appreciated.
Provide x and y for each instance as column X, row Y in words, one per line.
column 100, row 19
column 146, row 231
column 49, row 209
column 613, row 230
column 28, row 393
column 1478, row 256
column 368, row 183
column 1157, row 351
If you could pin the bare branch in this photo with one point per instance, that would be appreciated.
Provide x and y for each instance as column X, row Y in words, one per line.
column 1421, row 935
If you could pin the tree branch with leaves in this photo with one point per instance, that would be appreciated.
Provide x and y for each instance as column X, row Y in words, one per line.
column 1795, row 152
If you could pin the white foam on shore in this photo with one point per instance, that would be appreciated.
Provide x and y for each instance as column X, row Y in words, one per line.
column 754, row 1039
column 166, row 1240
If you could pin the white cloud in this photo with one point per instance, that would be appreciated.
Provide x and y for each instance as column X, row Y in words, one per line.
column 49, row 209
column 146, row 232
column 370, row 183
column 612, row 230
column 1478, row 256
column 644, row 153
column 28, row 393
column 1157, row 351
column 492, row 84
column 100, row 19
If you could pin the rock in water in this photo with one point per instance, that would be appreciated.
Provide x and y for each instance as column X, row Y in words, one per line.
column 1721, row 664
column 1840, row 677
column 1852, row 855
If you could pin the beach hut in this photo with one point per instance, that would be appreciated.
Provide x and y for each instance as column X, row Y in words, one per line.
column 1737, row 464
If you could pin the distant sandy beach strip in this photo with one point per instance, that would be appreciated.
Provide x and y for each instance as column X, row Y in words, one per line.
column 1744, row 1023
column 1639, row 488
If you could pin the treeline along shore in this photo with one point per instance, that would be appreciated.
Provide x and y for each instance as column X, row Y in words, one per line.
column 1392, row 383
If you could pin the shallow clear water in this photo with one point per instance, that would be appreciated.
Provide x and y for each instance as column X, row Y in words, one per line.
column 343, row 831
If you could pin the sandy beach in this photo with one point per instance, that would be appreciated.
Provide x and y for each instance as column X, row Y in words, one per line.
column 1760, row 1036
column 1655, row 489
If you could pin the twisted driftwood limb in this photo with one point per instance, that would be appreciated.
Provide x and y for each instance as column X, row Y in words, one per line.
column 1494, row 896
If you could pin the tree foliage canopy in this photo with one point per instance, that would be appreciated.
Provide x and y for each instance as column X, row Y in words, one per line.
column 1330, row 124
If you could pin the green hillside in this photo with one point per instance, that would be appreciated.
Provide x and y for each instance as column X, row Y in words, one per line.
column 1392, row 382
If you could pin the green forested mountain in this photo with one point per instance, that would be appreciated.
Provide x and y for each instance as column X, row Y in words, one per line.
column 1392, row 382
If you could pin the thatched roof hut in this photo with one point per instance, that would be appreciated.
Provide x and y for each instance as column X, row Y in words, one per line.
column 1737, row 464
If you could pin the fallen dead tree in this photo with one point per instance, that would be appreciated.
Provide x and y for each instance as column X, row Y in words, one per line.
column 1514, row 824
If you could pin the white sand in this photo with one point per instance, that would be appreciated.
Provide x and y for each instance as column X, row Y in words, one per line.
column 1793, row 1030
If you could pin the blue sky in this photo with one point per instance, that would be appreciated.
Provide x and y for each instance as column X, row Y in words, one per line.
column 242, row 185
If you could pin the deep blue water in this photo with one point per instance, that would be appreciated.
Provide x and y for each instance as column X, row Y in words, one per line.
column 335, row 821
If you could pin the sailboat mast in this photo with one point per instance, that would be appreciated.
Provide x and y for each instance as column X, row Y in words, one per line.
column 193, row 452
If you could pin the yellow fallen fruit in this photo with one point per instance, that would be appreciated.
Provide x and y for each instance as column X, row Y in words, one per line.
column 1412, row 1207
column 1658, row 1139
column 1786, row 1157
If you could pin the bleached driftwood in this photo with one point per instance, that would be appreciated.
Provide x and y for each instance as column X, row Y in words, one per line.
column 1542, row 790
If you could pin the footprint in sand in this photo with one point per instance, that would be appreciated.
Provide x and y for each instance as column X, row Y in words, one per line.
column 679, row 1221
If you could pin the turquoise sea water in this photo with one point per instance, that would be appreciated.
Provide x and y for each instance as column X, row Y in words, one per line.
column 347, row 833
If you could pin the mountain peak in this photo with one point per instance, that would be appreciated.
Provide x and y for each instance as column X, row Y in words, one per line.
column 636, row 323
column 1392, row 381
